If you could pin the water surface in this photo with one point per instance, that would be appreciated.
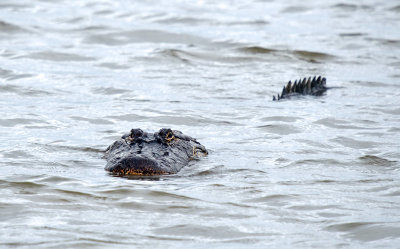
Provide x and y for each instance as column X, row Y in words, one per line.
column 311, row 172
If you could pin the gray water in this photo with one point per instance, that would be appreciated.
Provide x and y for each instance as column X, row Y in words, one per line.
column 311, row 172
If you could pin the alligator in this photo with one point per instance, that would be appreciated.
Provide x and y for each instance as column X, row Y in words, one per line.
column 315, row 86
column 167, row 151
column 140, row 153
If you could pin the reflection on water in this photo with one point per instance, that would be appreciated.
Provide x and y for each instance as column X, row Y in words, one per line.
column 306, row 172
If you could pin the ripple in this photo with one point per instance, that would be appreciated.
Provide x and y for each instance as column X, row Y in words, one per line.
column 53, row 180
column 114, row 66
column 313, row 56
column 32, row 186
column 353, row 34
column 144, row 36
column 184, row 20
column 201, row 172
column 376, row 161
column 295, row 9
column 351, row 7
column 205, row 56
column 66, row 193
column 173, row 120
column 13, row 6
column 23, row 91
column 109, row 90
column 201, row 231
column 126, row 117
column 11, row 28
column 310, row 56
column 10, row 211
column 322, row 161
column 288, row 119
column 339, row 124
column 11, row 122
column 119, row 191
column 56, row 147
column 91, row 28
column 395, row 111
column 96, row 121
column 366, row 231
column 386, row 42
column 274, row 200
column 279, row 129
column 309, row 207
column 57, row 56
column 395, row 8
column 11, row 75
column 354, row 143
column 15, row 154
column 315, row 144
column 395, row 193
column 257, row 50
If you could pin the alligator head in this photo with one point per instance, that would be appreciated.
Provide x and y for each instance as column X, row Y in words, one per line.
column 315, row 86
column 145, row 154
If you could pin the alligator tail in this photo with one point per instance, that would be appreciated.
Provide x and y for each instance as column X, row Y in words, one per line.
column 315, row 86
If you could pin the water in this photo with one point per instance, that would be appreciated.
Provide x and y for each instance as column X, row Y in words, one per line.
column 305, row 173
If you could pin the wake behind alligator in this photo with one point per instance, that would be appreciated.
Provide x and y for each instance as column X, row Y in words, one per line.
column 315, row 86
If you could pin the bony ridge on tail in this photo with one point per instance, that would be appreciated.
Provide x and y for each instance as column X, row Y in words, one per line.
column 315, row 86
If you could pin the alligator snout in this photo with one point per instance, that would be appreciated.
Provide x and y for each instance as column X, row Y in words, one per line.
column 135, row 165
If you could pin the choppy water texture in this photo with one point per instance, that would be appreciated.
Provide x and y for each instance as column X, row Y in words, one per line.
column 318, row 172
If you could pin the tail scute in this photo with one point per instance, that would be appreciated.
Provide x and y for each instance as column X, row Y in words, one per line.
column 312, row 86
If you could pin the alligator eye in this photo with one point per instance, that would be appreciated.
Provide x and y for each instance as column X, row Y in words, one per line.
column 166, row 153
column 135, row 135
column 169, row 137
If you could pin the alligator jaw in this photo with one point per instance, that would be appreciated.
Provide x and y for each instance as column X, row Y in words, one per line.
column 136, row 166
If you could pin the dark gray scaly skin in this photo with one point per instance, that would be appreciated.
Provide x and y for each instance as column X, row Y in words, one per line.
column 147, row 154
column 315, row 86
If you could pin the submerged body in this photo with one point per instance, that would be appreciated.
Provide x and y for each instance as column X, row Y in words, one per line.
column 145, row 154
column 315, row 86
